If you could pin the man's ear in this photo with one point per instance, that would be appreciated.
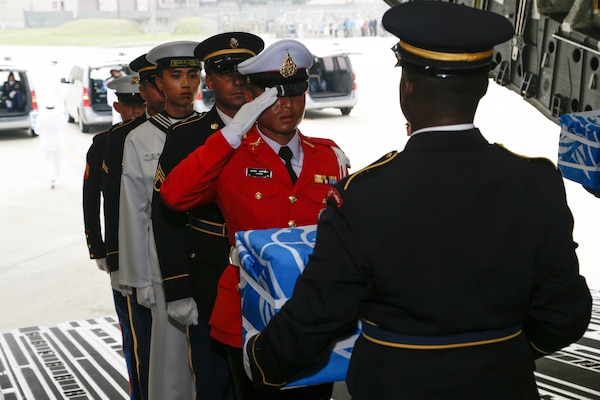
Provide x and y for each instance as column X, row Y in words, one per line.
column 406, row 85
column 159, row 83
column 209, row 82
column 117, row 106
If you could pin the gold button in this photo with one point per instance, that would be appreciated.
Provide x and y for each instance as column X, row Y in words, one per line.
column 245, row 136
column 258, row 195
column 291, row 223
column 238, row 286
column 214, row 125
column 193, row 255
column 293, row 198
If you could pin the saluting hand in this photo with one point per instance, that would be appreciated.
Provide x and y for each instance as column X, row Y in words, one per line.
column 249, row 112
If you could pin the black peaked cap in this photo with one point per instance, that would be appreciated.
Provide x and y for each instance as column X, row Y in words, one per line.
column 446, row 35
column 224, row 51
column 145, row 69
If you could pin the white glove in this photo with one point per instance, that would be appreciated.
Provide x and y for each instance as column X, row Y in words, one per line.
column 101, row 263
column 184, row 311
column 114, row 282
column 145, row 297
column 249, row 112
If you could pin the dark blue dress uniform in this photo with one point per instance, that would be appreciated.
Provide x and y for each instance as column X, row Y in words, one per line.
column 192, row 247
column 466, row 238
column 94, row 186
column 92, row 191
column 113, row 156
column 456, row 254
column 139, row 317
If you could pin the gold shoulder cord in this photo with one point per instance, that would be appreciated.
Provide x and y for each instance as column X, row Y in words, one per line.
column 387, row 158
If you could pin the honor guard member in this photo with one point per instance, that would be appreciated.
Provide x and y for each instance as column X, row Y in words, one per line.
column 130, row 105
column 456, row 254
column 178, row 77
column 111, row 96
column 193, row 249
column 140, row 316
column 243, row 170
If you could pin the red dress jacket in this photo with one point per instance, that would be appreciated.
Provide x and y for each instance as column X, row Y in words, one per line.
column 253, row 189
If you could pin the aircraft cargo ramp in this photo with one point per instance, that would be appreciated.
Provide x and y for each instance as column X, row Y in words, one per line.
column 83, row 360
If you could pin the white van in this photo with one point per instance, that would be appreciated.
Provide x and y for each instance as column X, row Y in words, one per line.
column 85, row 93
column 17, row 99
column 331, row 83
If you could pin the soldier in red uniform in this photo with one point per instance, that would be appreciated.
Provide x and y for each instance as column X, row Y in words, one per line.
column 456, row 254
column 243, row 169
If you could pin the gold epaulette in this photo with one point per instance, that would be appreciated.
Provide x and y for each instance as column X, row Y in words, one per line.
column 382, row 161
column 534, row 159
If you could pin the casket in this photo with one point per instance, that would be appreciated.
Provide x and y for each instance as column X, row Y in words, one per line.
column 270, row 262
column 579, row 148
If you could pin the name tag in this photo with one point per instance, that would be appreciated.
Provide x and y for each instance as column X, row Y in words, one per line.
column 151, row 156
column 259, row 172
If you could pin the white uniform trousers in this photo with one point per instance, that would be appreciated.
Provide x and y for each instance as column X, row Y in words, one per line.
column 170, row 374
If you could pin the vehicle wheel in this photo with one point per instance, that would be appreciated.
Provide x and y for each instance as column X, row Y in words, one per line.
column 83, row 127
column 345, row 110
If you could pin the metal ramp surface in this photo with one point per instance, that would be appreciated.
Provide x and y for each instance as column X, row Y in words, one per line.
column 72, row 360
column 83, row 360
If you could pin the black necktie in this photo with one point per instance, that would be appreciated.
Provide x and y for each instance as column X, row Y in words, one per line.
column 286, row 154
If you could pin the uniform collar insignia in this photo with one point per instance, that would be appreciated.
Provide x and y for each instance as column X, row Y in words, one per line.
column 258, row 142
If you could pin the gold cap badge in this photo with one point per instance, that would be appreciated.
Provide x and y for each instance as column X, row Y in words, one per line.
column 288, row 67
column 233, row 43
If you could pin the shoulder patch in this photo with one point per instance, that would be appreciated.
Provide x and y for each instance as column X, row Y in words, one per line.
column 382, row 161
column 532, row 159
column 335, row 197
